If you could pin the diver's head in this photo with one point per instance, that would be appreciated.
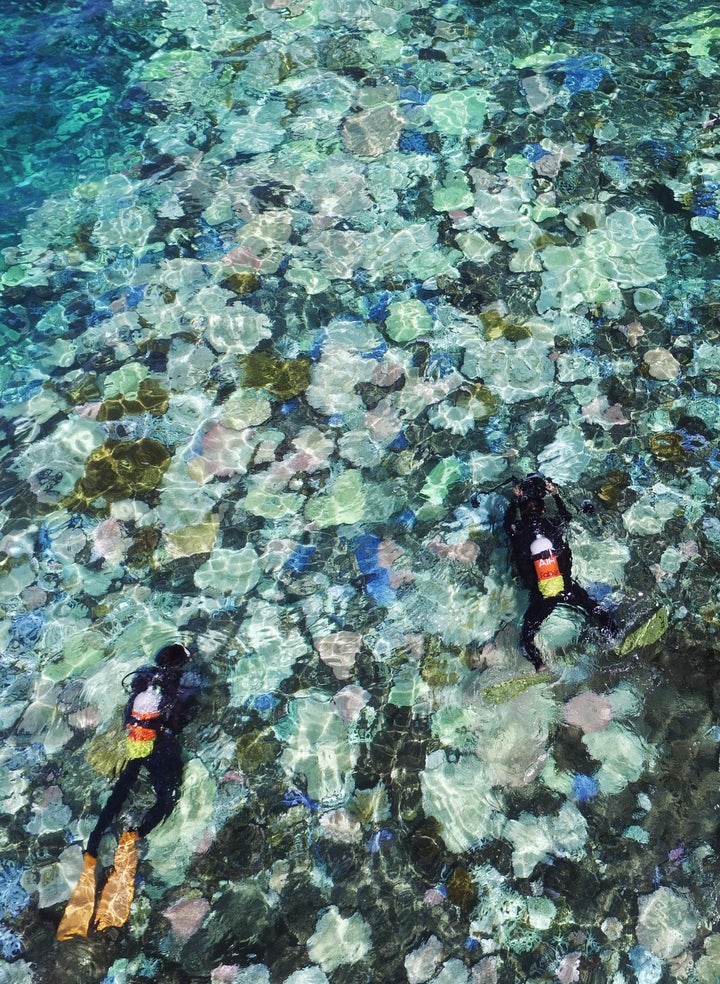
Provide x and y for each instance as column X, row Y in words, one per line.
column 532, row 487
column 172, row 657
column 531, row 493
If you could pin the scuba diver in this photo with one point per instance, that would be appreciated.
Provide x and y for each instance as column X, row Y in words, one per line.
column 544, row 562
column 162, row 701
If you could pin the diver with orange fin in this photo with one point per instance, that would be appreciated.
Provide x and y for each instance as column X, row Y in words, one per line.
column 543, row 562
column 161, row 703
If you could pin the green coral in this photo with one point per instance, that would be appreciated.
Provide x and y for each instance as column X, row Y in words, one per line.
column 255, row 749
column 668, row 447
column 496, row 325
column 242, row 283
column 458, row 112
column 119, row 470
column 408, row 320
column 151, row 398
column 501, row 693
column 708, row 966
column 370, row 806
column 436, row 670
column 479, row 400
column 284, row 378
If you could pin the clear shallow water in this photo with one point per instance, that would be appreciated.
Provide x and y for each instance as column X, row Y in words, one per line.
column 282, row 285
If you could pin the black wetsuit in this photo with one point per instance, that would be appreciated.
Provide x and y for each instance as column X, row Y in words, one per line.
column 177, row 706
column 522, row 530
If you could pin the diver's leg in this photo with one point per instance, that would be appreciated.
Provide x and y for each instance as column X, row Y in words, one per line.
column 538, row 610
column 116, row 899
column 79, row 910
column 114, row 803
column 165, row 768
column 578, row 597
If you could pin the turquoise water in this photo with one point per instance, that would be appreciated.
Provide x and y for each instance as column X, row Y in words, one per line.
column 284, row 283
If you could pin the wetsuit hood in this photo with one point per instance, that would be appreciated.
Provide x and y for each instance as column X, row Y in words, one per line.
column 532, row 488
column 173, row 656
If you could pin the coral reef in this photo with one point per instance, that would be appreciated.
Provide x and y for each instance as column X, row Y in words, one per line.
column 294, row 291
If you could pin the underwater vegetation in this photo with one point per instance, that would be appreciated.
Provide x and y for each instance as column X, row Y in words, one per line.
column 292, row 293
column 119, row 470
column 151, row 398
column 284, row 378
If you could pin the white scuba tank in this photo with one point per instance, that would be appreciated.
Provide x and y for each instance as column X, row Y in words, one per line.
column 146, row 705
column 142, row 729
column 547, row 570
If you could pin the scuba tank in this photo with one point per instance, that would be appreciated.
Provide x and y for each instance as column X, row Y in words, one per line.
column 545, row 560
column 145, row 722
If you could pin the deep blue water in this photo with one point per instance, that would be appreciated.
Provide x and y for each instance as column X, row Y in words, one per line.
column 64, row 69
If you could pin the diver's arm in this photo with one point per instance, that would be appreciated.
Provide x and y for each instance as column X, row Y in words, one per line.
column 563, row 511
column 511, row 512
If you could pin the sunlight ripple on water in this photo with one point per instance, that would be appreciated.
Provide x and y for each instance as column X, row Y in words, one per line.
column 291, row 289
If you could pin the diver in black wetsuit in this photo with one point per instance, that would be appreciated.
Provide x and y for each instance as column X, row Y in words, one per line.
column 161, row 704
column 544, row 562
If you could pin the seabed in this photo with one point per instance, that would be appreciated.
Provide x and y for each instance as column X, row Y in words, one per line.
column 283, row 284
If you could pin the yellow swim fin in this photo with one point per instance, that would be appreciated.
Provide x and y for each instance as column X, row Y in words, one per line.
column 117, row 896
column 79, row 910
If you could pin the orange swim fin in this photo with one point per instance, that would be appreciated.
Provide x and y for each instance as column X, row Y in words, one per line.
column 79, row 910
column 117, row 896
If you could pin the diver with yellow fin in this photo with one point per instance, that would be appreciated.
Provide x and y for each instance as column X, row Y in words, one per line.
column 161, row 703
column 543, row 562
